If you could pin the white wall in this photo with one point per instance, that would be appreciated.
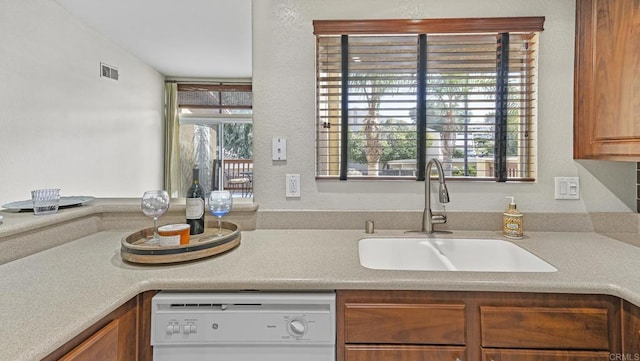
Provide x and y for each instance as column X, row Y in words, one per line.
column 61, row 125
column 283, row 78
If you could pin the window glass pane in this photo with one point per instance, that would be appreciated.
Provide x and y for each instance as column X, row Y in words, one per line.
column 198, row 147
column 216, row 135
column 461, row 85
column 460, row 102
column 329, row 97
column 382, row 103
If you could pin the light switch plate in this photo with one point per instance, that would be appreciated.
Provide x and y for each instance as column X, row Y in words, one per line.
column 567, row 187
column 279, row 148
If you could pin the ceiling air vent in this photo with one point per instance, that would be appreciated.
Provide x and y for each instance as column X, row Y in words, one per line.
column 108, row 71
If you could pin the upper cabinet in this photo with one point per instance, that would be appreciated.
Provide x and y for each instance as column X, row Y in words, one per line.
column 607, row 80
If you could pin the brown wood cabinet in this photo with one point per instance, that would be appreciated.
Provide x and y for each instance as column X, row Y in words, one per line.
column 397, row 323
column 489, row 326
column 541, row 355
column 101, row 346
column 400, row 325
column 545, row 327
column 630, row 331
column 422, row 326
column 123, row 335
column 607, row 80
column 404, row 353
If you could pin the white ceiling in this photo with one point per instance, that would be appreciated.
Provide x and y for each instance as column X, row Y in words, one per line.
column 186, row 38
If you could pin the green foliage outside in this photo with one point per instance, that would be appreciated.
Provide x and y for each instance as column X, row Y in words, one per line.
column 446, row 115
column 458, row 172
column 397, row 142
column 238, row 140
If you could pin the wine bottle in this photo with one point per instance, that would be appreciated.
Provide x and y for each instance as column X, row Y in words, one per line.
column 195, row 204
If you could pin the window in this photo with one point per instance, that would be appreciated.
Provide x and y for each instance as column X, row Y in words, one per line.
column 216, row 135
column 392, row 94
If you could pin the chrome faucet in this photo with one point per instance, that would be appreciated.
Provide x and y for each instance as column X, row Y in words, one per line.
column 428, row 217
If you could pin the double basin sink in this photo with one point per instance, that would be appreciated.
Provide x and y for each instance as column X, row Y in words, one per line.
column 448, row 254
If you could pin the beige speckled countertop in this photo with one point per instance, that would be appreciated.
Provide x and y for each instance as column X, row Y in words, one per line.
column 49, row 296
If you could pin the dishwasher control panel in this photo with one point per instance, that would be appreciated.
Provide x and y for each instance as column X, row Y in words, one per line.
column 243, row 318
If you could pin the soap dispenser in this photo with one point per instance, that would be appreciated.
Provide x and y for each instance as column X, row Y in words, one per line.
column 512, row 221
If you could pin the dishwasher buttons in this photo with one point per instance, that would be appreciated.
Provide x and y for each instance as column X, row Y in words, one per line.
column 173, row 328
column 189, row 328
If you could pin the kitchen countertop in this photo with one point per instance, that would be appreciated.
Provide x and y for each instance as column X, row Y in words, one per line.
column 49, row 297
column 14, row 222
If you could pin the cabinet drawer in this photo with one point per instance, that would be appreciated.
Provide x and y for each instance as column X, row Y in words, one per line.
column 435, row 324
column 404, row 353
column 536, row 355
column 540, row 327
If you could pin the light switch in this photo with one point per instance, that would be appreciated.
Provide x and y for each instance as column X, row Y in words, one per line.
column 567, row 187
column 279, row 148
column 573, row 188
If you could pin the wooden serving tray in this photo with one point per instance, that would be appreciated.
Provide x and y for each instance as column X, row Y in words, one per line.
column 202, row 245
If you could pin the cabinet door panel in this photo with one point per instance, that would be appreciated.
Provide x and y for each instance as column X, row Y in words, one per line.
column 403, row 353
column 531, row 355
column 434, row 324
column 607, row 80
column 101, row 346
column 617, row 94
column 542, row 327
column 630, row 329
column 121, row 324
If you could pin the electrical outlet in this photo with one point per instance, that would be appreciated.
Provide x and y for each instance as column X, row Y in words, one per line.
column 292, row 185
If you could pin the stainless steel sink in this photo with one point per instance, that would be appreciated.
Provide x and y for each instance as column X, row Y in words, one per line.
column 443, row 254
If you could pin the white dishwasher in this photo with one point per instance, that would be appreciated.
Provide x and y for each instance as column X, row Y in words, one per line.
column 243, row 326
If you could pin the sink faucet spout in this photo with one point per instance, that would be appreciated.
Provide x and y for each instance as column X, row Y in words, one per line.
column 428, row 217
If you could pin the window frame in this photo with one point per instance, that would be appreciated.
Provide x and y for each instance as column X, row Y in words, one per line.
column 216, row 116
column 423, row 28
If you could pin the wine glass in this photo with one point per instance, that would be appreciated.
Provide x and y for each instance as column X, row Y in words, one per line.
column 154, row 204
column 219, row 205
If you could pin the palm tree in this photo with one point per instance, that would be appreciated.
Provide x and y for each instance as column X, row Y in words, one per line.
column 445, row 94
column 372, row 87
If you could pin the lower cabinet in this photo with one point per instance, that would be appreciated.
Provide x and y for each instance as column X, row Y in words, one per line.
column 400, row 325
column 541, row 355
column 506, row 331
column 488, row 326
column 404, row 353
column 584, row 328
column 404, row 323
column 630, row 331
column 123, row 335
column 101, row 346
column 422, row 326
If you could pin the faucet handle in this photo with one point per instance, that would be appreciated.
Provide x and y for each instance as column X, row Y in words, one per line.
column 440, row 217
